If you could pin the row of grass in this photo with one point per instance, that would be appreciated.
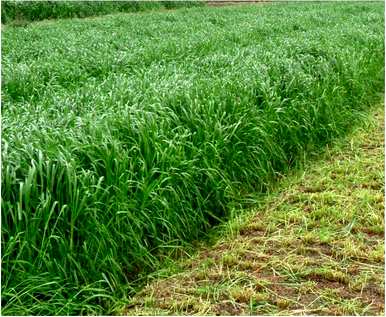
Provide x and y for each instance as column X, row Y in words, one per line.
column 126, row 137
column 313, row 246
column 16, row 11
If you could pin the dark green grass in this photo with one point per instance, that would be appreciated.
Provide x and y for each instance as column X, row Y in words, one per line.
column 125, row 137
column 19, row 12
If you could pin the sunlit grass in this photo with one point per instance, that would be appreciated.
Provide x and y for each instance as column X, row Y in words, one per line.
column 126, row 137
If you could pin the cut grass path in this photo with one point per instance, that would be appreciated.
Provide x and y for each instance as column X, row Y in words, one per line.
column 314, row 246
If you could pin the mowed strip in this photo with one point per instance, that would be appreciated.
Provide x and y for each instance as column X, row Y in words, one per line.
column 316, row 246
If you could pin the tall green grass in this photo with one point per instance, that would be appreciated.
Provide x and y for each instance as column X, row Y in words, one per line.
column 15, row 11
column 124, row 138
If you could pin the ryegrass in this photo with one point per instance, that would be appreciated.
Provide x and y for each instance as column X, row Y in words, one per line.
column 315, row 245
column 126, row 137
column 19, row 13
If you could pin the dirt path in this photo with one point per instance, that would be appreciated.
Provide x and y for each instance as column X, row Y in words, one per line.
column 315, row 247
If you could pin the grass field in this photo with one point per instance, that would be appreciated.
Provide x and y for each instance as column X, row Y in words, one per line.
column 126, row 137
column 19, row 13
column 314, row 246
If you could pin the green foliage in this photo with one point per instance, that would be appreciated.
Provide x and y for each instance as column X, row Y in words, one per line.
column 126, row 137
column 15, row 10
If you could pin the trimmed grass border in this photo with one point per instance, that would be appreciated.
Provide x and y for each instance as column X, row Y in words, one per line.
column 314, row 246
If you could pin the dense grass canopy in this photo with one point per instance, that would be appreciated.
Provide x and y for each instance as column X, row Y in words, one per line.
column 17, row 11
column 125, row 136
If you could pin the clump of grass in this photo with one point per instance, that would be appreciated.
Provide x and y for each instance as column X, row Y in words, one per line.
column 121, row 145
